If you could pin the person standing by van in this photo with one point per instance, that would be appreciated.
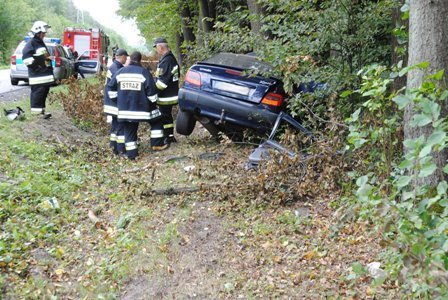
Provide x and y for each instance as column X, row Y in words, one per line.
column 40, row 71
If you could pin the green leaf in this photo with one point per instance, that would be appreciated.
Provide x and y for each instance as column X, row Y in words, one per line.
column 403, row 181
column 407, row 195
column 417, row 248
column 355, row 115
column 423, row 65
column 425, row 151
column 420, row 120
column 124, row 221
column 345, row 94
column 427, row 170
column 444, row 95
column 362, row 180
column 358, row 269
column 445, row 246
column 437, row 137
column 442, row 187
column 411, row 144
column 405, row 70
column 438, row 75
column 402, row 101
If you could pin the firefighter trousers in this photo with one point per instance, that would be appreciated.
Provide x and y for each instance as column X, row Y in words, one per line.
column 117, row 136
column 167, row 120
column 38, row 97
column 130, row 138
column 157, row 136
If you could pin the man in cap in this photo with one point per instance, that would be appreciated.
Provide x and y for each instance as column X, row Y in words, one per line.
column 110, row 105
column 40, row 71
column 134, row 89
column 167, row 83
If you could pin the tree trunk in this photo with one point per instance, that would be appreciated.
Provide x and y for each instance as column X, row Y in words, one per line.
column 256, row 13
column 212, row 11
column 180, row 55
column 428, row 40
column 256, row 21
column 204, row 24
column 396, row 57
column 185, row 18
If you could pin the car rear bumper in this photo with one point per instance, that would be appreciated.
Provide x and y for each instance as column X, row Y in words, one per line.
column 16, row 74
column 225, row 109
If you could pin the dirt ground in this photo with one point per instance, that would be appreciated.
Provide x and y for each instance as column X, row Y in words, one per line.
column 226, row 249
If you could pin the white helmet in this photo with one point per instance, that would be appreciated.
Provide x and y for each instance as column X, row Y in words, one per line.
column 40, row 26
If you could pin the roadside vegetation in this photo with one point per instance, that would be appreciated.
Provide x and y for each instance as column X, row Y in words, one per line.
column 79, row 222
column 364, row 214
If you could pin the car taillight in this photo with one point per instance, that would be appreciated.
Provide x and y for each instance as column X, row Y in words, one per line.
column 13, row 60
column 57, row 58
column 273, row 99
column 193, row 78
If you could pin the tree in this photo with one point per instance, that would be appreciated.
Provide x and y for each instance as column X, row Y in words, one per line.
column 428, row 40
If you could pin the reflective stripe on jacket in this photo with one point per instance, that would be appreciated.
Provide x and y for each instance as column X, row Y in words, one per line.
column 136, row 94
column 110, row 102
column 167, row 79
column 35, row 57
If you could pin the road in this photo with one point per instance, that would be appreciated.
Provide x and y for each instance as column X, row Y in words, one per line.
column 9, row 92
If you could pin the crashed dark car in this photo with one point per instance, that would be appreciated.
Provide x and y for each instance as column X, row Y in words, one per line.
column 229, row 93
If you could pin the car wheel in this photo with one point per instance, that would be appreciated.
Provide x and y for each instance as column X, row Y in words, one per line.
column 185, row 122
column 14, row 81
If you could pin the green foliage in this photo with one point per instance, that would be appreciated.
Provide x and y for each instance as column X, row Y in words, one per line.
column 413, row 218
column 153, row 18
column 375, row 125
column 17, row 17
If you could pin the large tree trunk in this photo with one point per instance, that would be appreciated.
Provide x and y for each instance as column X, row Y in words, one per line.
column 204, row 14
column 212, row 10
column 185, row 18
column 256, row 21
column 428, row 40
column 180, row 55
column 256, row 13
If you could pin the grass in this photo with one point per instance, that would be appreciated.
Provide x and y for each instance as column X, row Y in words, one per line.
column 75, row 223
column 48, row 189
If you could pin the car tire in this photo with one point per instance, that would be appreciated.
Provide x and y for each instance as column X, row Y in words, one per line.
column 14, row 81
column 185, row 122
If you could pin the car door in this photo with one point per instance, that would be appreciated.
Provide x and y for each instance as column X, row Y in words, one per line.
column 70, row 60
column 88, row 65
column 66, row 68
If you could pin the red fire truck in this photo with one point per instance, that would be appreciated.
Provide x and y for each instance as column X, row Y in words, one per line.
column 91, row 44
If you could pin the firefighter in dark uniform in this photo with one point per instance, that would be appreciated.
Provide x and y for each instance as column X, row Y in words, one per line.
column 110, row 107
column 134, row 88
column 40, row 71
column 167, row 83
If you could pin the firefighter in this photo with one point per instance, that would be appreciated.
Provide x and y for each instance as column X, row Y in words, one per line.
column 110, row 106
column 40, row 71
column 133, row 87
column 167, row 83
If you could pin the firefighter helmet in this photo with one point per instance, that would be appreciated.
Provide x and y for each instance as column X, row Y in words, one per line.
column 40, row 26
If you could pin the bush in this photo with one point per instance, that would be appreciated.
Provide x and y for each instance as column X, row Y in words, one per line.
column 83, row 102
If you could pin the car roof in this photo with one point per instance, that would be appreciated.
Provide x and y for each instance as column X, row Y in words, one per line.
column 239, row 61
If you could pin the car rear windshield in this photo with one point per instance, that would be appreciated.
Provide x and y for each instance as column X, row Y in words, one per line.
column 240, row 61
